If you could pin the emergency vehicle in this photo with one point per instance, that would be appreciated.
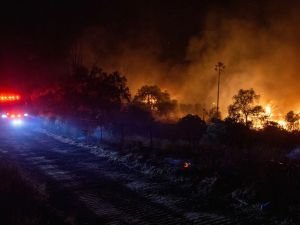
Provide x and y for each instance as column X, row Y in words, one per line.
column 13, row 109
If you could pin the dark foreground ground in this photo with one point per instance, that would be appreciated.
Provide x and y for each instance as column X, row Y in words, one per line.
column 80, row 187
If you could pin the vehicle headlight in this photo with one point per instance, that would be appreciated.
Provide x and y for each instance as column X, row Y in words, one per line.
column 17, row 122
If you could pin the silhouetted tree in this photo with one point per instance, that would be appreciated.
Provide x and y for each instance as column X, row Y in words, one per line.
column 291, row 119
column 271, row 125
column 154, row 100
column 244, row 106
column 138, row 119
column 191, row 127
column 91, row 93
column 213, row 114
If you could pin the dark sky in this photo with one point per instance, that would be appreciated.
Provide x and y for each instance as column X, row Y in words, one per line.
column 36, row 36
column 46, row 28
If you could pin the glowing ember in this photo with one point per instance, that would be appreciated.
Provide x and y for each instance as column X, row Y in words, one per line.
column 187, row 165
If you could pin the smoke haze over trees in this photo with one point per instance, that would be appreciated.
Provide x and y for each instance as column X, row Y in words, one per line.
column 250, row 39
column 173, row 45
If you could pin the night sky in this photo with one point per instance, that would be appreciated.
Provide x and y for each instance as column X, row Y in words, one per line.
column 158, row 42
column 44, row 30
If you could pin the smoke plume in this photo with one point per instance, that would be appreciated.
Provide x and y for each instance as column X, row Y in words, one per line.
column 258, row 43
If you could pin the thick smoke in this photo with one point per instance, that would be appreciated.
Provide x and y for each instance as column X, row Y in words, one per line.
column 259, row 44
column 134, row 55
column 258, row 53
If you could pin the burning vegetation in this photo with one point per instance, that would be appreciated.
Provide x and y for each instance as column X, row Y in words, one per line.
column 96, row 94
column 238, row 152
column 152, row 88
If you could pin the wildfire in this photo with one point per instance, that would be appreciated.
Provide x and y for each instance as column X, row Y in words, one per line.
column 151, row 101
column 282, row 123
column 268, row 110
column 277, row 118
column 270, row 115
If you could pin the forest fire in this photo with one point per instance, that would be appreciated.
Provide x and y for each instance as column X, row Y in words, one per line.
column 278, row 119
column 268, row 110
column 282, row 123
column 150, row 112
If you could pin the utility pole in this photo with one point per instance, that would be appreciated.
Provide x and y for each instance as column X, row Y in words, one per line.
column 219, row 68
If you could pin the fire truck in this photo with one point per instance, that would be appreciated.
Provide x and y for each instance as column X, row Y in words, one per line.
column 13, row 109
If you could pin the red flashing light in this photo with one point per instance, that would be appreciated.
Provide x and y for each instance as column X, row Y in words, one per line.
column 9, row 98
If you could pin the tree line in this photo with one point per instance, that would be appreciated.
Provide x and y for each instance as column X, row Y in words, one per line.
column 96, row 94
